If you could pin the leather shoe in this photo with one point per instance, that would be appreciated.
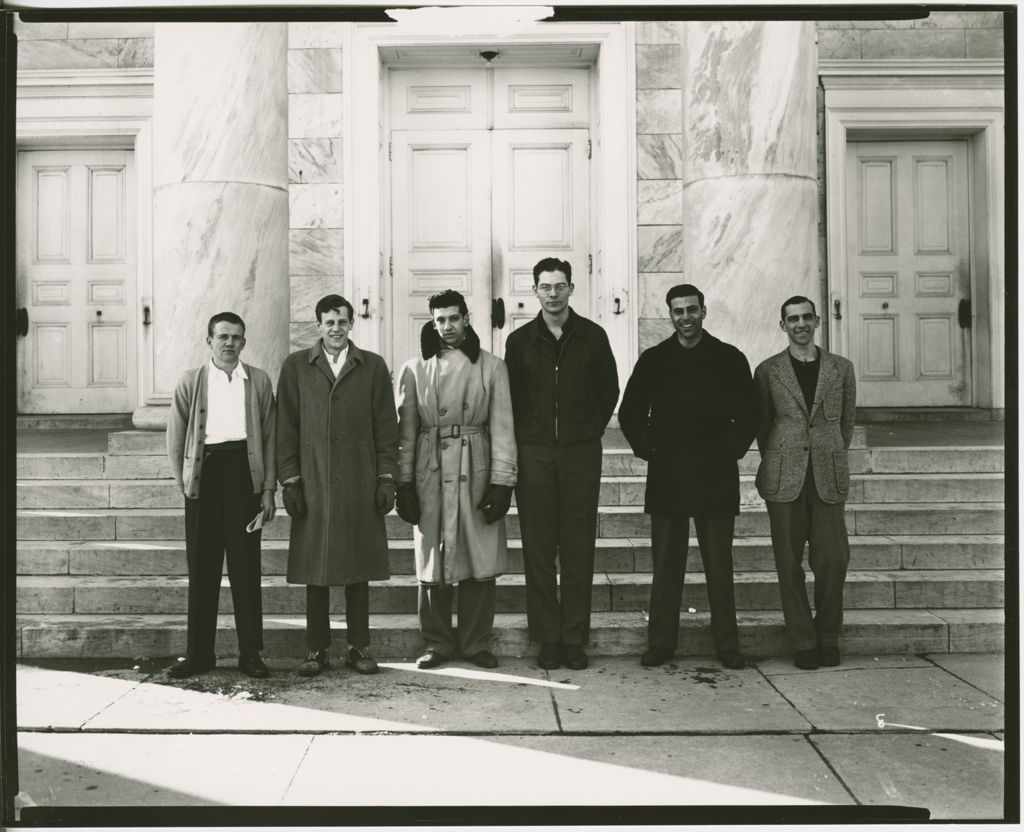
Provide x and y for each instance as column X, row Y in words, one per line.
column 253, row 666
column 192, row 665
column 573, row 657
column 361, row 661
column 484, row 658
column 828, row 656
column 806, row 659
column 431, row 658
column 316, row 662
column 549, row 657
column 655, row 656
column 734, row 660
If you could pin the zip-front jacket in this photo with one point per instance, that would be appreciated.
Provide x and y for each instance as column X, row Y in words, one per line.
column 564, row 394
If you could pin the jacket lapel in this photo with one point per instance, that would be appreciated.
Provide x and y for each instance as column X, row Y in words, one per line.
column 826, row 375
column 354, row 357
column 784, row 373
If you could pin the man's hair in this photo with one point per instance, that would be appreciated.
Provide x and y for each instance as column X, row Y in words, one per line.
column 683, row 290
column 552, row 264
column 226, row 317
column 796, row 299
column 329, row 303
column 449, row 297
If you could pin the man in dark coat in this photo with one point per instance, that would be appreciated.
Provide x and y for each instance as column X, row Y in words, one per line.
column 337, row 458
column 690, row 410
column 564, row 388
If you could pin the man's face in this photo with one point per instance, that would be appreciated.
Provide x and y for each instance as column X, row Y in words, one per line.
column 553, row 291
column 688, row 318
column 450, row 324
column 799, row 323
column 335, row 327
column 226, row 343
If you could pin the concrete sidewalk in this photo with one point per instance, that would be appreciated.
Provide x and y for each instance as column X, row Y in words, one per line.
column 886, row 730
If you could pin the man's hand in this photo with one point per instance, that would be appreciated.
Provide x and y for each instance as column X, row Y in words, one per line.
column 384, row 498
column 496, row 502
column 267, row 505
column 408, row 503
column 294, row 499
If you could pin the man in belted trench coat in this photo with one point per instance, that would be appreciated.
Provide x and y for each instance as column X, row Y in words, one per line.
column 457, row 468
column 337, row 456
column 807, row 404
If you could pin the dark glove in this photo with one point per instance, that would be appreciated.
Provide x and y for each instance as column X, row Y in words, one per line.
column 496, row 502
column 384, row 498
column 408, row 503
column 294, row 499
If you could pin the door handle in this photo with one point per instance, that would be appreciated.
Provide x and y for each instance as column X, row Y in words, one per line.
column 21, row 321
column 498, row 313
column 837, row 305
column 963, row 313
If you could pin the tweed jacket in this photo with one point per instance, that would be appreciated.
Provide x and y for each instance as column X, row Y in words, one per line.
column 787, row 434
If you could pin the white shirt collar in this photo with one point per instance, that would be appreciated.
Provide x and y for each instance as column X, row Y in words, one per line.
column 239, row 370
column 342, row 356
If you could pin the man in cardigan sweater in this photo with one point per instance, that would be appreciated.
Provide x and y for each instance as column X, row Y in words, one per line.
column 220, row 434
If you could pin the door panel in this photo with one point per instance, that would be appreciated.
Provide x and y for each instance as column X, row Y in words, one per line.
column 76, row 278
column 907, row 238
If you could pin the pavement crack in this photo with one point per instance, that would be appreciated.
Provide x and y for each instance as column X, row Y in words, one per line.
column 785, row 698
column 962, row 679
column 298, row 765
column 554, row 705
column 832, row 768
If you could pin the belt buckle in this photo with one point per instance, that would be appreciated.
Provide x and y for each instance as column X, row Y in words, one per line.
column 456, row 431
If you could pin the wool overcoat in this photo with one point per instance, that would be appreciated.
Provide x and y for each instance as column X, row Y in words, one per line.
column 691, row 413
column 788, row 434
column 338, row 435
column 456, row 438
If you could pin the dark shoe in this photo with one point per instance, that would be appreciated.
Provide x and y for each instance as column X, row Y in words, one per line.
column 573, row 657
column 190, row 666
column 550, row 656
column 806, row 659
column 734, row 660
column 655, row 656
column 316, row 662
column 485, row 658
column 360, row 660
column 253, row 666
column 828, row 656
column 431, row 658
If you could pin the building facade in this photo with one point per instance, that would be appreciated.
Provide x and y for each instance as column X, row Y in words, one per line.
column 168, row 171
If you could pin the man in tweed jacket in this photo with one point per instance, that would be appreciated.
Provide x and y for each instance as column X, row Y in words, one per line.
column 806, row 411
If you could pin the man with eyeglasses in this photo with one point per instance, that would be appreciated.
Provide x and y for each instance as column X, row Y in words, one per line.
column 564, row 389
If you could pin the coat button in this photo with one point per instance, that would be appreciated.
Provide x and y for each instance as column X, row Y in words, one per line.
column 463, row 478
column 443, row 411
column 444, row 446
column 463, row 441
column 465, row 405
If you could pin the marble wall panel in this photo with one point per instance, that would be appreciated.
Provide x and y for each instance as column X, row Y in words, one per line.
column 984, row 43
column 751, row 242
column 314, row 160
column 314, row 115
column 314, row 70
column 653, row 287
column 135, row 52
column 315, row 251
column 659, row 202
column 918, row 43
column 657, row 31
column 67, row 54
column 316, row 34
column 659, row 248
column 961, row 20
column 307, row 289
column 659, row 66
column 653, row 332
column 315, row 206
column 839, row 43
column 109, row 29
column 865, row 24
column 749, row 98
column 659, row 156
column 659, row 111
column 303, row 335
column 39, row 30
column 221, row 103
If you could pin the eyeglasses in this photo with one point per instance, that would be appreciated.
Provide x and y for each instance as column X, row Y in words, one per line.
column 557, row 289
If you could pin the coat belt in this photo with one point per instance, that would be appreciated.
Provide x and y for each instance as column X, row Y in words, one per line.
column 437, row 432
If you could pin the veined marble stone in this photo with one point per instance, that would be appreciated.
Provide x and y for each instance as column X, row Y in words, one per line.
column 659, row 248
column 316, row 206
column 659, row 66
column 307, row 289
column 314, row 70
column 659, row 202
column 314, row 34
column 653, row 288
column 749, row 98
column 659, row 111
column 39, row 30
column 315, row 251
column 653, row 331
column 135, row 52
column 659, row 156
column 302, row 335
column 314, row 115
column 67, row 54
column 658, row 31
column 314, row 160
column 221, row 103
column 109, row 29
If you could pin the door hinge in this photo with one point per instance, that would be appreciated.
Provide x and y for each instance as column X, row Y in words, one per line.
column 391, row 266
column 389, row 151
column 590, row 148
column 590, row 264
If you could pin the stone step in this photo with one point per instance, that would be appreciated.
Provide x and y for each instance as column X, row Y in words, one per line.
column 613, row 521
column 612, row 592
column 865, row 632
column 167, row 557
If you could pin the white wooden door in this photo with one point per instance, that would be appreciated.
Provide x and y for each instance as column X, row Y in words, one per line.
column 909, row 286
column 76, row 281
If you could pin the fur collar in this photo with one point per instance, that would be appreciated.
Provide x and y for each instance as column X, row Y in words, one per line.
column 430, row 342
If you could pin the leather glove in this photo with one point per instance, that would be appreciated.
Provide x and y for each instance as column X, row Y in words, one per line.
column 294, row 499
column 496, row 502
column 384, row 498
column 408, row 503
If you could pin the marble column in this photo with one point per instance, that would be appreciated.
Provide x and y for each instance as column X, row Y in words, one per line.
column 749, row 178
column 220, row 195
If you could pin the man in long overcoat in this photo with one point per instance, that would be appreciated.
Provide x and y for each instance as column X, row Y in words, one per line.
column 689, row 409
column 457, row 468
column 807, row 403
column 337, row 456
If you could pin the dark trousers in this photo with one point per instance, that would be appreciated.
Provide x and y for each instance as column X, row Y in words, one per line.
column 357, row 616
column 670, row 540
column 216, row 523
column 557, row 498
column 476, row 617
column 821, row 525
